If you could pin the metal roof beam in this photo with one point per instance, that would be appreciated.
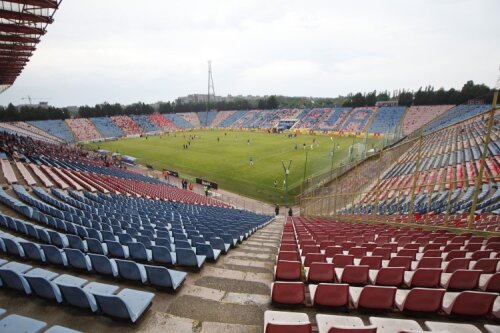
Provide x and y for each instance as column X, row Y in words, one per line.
column 38, row 3
column 18, row 39
column 17, row 47
column 21, row 29
column 9, row 15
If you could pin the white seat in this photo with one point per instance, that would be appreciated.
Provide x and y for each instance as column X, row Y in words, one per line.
column 326, row 322
column 385, row 325
column 492, row 328
column 354, row 294
column 451, row 327
column 285, row 318
column 401, row 297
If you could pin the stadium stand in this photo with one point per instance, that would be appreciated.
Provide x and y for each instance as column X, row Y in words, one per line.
column 191, row 118
column 230, row 120
column 83, row 129
column 145, row 123
column 162, row 122
column 445, row 180
column 246, row 120
column 57, row 128
column 386, row 119
column 332, row 121
column 220, row 117
column 29, row 131
column 312, row 118
column 128, row 126
column 381, row 268
column 419, row 115
column 358, row 119
column 107, row 127
column 179, row 121
column 206, row 119
column 456, row 115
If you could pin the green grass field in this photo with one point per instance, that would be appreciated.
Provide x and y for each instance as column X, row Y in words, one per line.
column 226, row 161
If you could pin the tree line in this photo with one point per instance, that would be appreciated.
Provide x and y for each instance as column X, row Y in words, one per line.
column 423, row 96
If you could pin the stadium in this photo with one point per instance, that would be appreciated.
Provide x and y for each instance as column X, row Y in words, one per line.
column 370, row 212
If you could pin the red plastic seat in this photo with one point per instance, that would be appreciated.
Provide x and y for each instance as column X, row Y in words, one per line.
column 374, row 262
column 288, row 293
column 423, row 277
column 352, row 274
column 493, row 239
column 432, row 254
column 288, row 255
column 473, row 247
column 404, row 262
column 310, row 249
column 314, row 257
column 430, row 262
column 342, row 260
column 469, row 303
column 419, row 299
column 388, row 276
column 369, row 246
column 347, row 245
column 487, row 265
column 286, row 322
column 408, row 253
column 451, row 247
column 430, row 247
column 454, row 254
column 384, row 252
column 286, row 247
column 480, row 254
column 373, row 297
column 331, row 251
column 490, row 282
column 288, row 270
column 320, row 272
column 493, row 246
column 324, row 244
column 461, row 279
column 330, row 294
column 358, row 251
column 457, row 263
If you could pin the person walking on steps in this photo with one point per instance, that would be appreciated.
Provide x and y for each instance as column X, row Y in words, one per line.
column 277, row 209
column 290, row 212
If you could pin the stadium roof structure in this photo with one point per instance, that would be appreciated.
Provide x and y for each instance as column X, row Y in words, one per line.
column 22, row 24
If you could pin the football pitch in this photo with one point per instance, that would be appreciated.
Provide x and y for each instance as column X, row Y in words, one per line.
column 244, row 162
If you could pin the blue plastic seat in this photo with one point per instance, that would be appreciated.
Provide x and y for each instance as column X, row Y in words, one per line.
column 131, row 270
column 60, row 329
column 208, row 251
column 218, row 243
column 187, row 257
column 160, row 276
column 95, row 246
column 127, row 304
column 58, row 239
column 33, row 251
column 163, row 255
column 54, row 255
column 16, row 324
column 103, row 265
column 40, row 281
column 182, row 244
column 118, row 250
column 12, row 276
column 73, row 293
column 75, row 242
column 13, row 247
column 77, row 259
column 139, row 251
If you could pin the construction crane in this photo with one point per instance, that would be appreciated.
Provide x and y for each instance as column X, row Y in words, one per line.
column 29, row 99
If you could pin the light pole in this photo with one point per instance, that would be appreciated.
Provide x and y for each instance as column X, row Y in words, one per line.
column 333, row 155
column 287, row 171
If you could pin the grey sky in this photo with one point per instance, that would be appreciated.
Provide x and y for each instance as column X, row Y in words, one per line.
column 126, row 51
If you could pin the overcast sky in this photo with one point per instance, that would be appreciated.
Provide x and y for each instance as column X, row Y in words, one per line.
column 156, row 50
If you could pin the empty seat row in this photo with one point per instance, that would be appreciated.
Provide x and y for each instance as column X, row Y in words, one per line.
column 156, row 275
column 292, row 322
column 425, row 300
column 127, row 304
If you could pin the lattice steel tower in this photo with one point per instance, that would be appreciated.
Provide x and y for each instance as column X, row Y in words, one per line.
column 210, row 91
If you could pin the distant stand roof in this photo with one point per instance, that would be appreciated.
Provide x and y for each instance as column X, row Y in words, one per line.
column 22, row 23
